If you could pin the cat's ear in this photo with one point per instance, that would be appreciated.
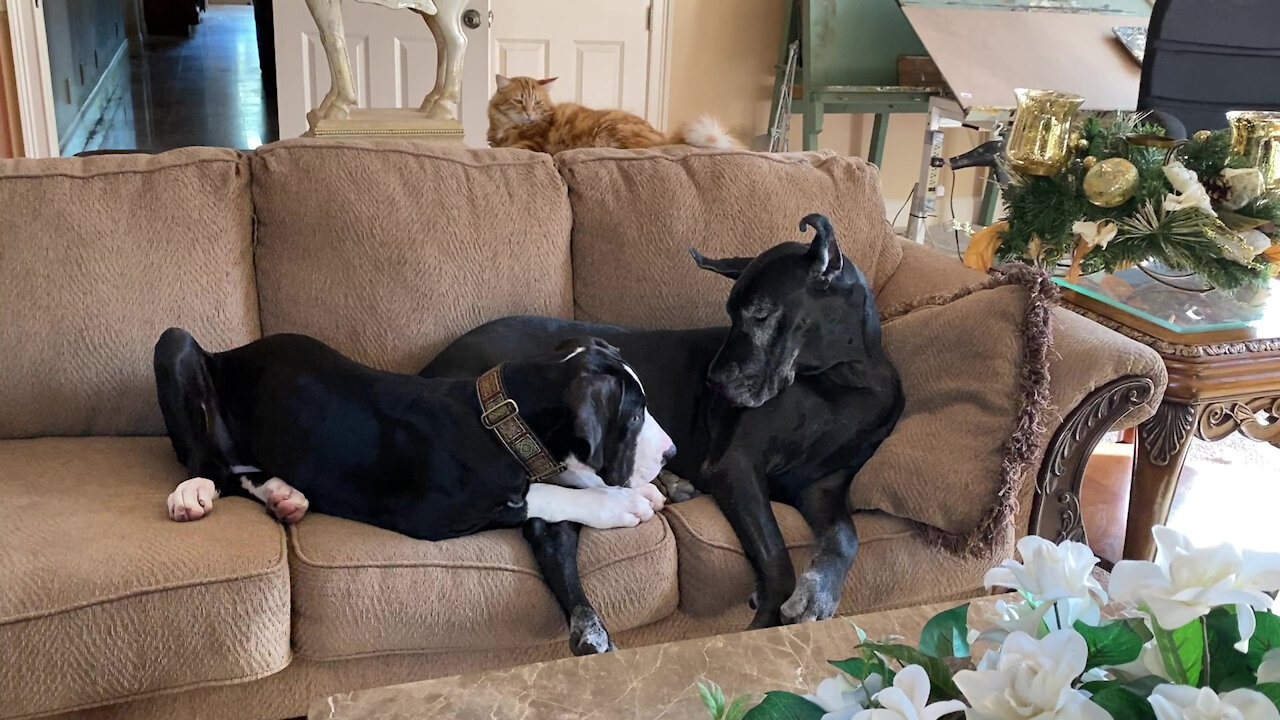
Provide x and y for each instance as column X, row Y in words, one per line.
column 546, row 81
column 503, row 81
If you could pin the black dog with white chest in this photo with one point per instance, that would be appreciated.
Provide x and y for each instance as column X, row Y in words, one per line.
column 295, row 424
column 786, row 404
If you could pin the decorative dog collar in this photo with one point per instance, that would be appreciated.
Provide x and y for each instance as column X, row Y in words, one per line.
column 501, row 414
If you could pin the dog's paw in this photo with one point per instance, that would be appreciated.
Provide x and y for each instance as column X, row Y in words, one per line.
column 192, row 499
column 653, row 495
column 284, row 501
column 615, row 507
column 814, row 599
column 587, row 634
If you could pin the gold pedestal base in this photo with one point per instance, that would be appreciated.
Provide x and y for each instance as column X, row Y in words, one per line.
column 387, row 122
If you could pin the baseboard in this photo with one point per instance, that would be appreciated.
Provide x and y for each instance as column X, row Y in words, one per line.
column 113, row 80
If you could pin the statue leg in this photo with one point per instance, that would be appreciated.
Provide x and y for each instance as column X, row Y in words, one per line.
column 342, row 94
column 442, row 57
column 449, row 19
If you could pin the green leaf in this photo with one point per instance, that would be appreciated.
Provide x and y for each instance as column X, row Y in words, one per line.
column 1265, row 637
column 737, row 710
column 858, row 668
column 713, row 697
column 947, row 633
column 1124, row 704
column 1110, row 644
column 778, row 705
column 1182, row 651
column 1272, row 691
column 1097, row 686
column 940, row 682
column 1228, row 667
column 1143, row 686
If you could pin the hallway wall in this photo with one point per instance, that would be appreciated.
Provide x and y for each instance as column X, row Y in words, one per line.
column 83, row 36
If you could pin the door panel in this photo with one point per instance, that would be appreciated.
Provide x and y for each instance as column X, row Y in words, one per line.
column 393, row 61
column 598, row 50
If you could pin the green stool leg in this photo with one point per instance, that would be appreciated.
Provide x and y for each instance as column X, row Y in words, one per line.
column 812, row 124
column 990, row 198
column 879, row 133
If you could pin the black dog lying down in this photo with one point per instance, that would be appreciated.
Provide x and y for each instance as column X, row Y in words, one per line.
column 786, row 404
column 405, row 453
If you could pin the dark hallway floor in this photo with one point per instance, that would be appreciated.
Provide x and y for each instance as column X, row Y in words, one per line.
column 202, row 90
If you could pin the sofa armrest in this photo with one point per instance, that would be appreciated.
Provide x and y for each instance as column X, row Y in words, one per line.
column 923, row 271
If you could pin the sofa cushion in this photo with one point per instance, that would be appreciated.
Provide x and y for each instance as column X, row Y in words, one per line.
column 388, row 250
column 637, row 212
column 104, row 598
column 97, row 257
column 895, row 566
column 359, row 590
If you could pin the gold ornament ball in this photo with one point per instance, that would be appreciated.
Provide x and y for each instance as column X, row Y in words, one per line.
column 1111, row 182
column 1089, row 161
column 1081, row 144
column 1201, row 135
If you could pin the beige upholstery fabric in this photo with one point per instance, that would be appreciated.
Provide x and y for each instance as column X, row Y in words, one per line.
column 103, row 598
column 97, row 257
column 636, row 213
column 893, row 568
column 360, row 590
column 390, row 250
column 924, row 271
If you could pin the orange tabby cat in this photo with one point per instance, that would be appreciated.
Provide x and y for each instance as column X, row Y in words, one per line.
column 522, row 115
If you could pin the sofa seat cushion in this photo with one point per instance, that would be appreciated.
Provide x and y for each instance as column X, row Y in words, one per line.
column 895, row 566
column 637, row 212
column 359, row 590
column 104, row 598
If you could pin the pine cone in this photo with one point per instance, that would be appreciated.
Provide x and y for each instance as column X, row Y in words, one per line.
column 1217, row 189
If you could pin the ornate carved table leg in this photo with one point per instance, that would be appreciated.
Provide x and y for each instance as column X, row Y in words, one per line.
column 1162, row 447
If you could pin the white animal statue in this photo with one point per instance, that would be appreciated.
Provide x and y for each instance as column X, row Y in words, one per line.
column 443, row 17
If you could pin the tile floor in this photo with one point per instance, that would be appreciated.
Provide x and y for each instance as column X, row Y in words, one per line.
column 202, row 90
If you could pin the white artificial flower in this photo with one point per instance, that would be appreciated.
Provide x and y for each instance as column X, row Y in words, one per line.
column 1030, row 678
column 1010, row 618
column 1095, row 234
column 1243, row 185
column 1257, row 241
column 1147, row 664
column 1188, row 192
column 840, row 699
column 1180, row 702
column 1060, row 574
column 1269, row 670
column 1186, row 582
column 908, row 699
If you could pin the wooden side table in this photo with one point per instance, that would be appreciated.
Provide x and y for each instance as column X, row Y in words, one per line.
column 1223, row 360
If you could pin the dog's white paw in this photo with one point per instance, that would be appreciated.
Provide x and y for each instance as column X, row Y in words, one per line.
column 615, row 507
column 813, row 599
column 283, row 500
column 192, row 499
column 587, row 633
column 653, row 494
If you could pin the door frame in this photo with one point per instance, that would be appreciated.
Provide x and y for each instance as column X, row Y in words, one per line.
column 661, row 18
column 34, row 79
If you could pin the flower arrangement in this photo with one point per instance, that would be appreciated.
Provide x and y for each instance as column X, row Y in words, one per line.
column 1197, row 642
column 1126, row 194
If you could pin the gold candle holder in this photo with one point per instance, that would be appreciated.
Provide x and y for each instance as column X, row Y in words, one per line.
column 1255, row 137
column 1040, row 141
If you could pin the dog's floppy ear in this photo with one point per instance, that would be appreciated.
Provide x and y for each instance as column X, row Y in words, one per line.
column 729, row 267
column 825, row 259
column 589, row 398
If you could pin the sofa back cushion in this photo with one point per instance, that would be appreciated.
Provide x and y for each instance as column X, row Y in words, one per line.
column 97, row 257
column 388, row 250
column 637, row 213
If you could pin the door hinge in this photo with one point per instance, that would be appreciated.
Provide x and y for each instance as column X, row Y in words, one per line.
column 648, row 18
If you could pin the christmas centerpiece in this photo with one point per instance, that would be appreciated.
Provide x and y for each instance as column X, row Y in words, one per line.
column 1189, row 636
column 1100, row 195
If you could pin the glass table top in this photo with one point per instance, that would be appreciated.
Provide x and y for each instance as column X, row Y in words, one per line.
column 1140, row 8
column 1250, row 312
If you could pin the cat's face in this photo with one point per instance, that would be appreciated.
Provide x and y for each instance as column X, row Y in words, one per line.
column 522, row 100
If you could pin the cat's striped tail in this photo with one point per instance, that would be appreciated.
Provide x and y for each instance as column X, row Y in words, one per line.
column 705, row 132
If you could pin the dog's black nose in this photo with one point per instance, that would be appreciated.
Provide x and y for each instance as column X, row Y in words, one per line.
column 668, row 455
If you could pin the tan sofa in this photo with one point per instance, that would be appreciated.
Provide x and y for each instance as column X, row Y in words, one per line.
column 388, row 251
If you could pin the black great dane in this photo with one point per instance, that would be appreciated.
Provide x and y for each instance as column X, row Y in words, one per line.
column 293, row 423
column 785, row 404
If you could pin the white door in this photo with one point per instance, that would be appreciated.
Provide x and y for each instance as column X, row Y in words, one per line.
column 393, row 59
column 599, row 50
